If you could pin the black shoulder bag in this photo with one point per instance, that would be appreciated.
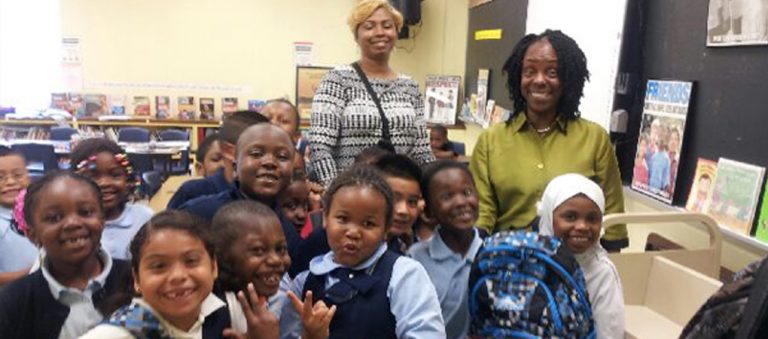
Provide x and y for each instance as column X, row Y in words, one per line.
column 386, row 140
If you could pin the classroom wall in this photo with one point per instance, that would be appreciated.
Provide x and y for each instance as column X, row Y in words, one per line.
column 244, row 45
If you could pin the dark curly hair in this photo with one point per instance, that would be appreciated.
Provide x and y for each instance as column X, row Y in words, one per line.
column 361, row 176
column 88, row 147
column 571, row 70
column 33, row 191
column 227, row 228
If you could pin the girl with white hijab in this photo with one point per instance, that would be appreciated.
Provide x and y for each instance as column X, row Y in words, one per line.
column 572, row 209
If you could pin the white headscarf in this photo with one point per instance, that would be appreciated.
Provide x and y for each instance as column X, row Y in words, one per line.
column 559, row 190
column 603, row 282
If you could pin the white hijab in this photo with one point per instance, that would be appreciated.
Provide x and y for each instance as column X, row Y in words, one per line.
column 559, row 190
column 603, row 282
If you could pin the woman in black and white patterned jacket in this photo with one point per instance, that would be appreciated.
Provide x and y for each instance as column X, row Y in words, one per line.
column 345, row 119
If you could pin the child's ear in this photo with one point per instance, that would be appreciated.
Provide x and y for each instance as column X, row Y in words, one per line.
column 199, row 169
column 136, row 286
column 215, row 264
column 32, row 236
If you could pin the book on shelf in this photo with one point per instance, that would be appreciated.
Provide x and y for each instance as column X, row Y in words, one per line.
column 732, row 201
column 441, row 99
column 228, row 105
column 117, row 104
column 706, row 170
column 665, row 110
column 761, row 227
column 256, row 105
column 95, row 105
column 186, row 107
column 162, row 107
column 141, row 106
column 76, row 104
column 60, row 101
column 207, row 108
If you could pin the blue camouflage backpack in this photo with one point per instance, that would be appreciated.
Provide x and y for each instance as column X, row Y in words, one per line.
column 526, row 285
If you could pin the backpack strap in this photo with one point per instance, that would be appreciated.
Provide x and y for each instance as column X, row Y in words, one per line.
column 386, row 139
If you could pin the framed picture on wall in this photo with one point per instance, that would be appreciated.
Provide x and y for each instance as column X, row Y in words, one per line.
column 307, row 80
column 737, row 22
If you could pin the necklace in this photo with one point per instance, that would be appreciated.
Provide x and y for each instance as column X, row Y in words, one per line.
column 542, row 130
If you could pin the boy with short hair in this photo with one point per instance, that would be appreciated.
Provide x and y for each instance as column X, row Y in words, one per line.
column 451, row 200
column 265, row 160
column 16, row 251
column 284, row 114
column 442, row 148
column 403, row 176
column 208, row 158
column 230, row 131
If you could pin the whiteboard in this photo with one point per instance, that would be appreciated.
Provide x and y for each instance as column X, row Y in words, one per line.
column 597, row 26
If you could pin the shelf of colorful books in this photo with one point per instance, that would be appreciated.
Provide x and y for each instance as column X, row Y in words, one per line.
column 658, row 205
column 197, row 127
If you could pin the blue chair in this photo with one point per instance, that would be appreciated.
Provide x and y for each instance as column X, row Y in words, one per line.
column 40, row 158
column 173, row 135
column 151, row 182
column 62, row 133
column 181, row 166
column 459, row 148
column 133, row 134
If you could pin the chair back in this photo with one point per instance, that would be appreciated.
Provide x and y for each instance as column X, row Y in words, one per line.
column 40, row 158
column 62, row 133
column 133, row 134
column 173, row 135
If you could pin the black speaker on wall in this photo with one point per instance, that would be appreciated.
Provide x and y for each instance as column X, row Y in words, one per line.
column 411, row 11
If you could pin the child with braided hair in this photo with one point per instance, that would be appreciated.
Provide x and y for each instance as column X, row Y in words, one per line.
column 107, row 164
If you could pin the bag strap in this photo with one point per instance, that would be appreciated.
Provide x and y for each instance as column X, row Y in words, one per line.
column 384, row 121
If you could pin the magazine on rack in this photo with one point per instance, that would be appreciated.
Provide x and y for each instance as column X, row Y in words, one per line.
column 186, row 107
column 207, row 106
column 95, row 105
column 761, row 228
column 441, row 99
column 733, row 198
column 706, row 171
column 660, row 138
column 141, row 106
column 162, row 107
column 228, row 105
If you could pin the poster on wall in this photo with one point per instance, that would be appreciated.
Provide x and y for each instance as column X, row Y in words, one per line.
column 737, row 22
column 441, row 99
column 660, row 138
column 307, row 81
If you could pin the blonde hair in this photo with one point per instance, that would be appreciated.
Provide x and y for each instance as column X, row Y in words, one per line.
column 365, row 9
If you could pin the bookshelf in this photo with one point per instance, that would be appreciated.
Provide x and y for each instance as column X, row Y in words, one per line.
column 195, row 126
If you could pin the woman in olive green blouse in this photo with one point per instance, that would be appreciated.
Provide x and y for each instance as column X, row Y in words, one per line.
column 514, row 161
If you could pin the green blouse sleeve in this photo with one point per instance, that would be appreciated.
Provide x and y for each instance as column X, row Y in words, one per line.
column 609, row 179
column 487, row 196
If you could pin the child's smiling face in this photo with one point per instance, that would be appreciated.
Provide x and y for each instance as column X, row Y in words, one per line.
column 13, row 178
column 264, row 162
column 453, row 199
column 406, row 209
column 355, row 223
column 68, row 221
column 112, row 179
column 578, row 221
column 175, row 274
column 260, row 254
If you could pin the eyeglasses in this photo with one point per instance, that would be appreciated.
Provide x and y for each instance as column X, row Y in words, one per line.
column 19, row 176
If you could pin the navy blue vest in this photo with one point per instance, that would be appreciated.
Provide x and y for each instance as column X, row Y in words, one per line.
column 362, row 306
